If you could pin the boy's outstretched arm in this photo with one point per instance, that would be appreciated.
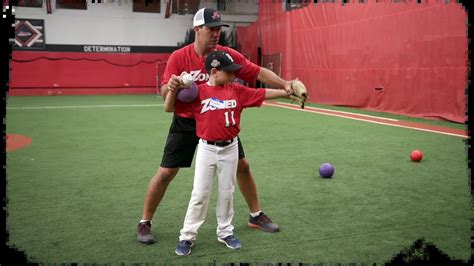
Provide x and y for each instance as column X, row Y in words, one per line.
column 273, row 93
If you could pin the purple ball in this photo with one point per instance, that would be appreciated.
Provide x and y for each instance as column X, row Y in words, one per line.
column 187, row 95
column 326, row 170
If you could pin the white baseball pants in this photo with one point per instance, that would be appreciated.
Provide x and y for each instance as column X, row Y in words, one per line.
column 211, row 159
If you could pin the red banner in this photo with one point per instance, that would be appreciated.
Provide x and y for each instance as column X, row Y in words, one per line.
column 404, row 58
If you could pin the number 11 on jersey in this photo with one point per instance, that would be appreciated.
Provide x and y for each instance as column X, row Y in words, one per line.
column 227, row 124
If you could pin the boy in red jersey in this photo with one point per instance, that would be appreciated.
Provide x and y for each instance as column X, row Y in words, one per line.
column 217, row 111
column 182, row 140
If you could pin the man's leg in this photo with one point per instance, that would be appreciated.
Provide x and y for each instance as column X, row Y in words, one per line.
column 247, row 185
column 155, row 192
column 248, row 188
column 178, row 152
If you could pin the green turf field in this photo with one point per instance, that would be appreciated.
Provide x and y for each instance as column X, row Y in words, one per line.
column 76, row 193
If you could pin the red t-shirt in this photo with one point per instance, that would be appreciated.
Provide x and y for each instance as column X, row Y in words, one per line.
column 217, row 109
column 186, row 59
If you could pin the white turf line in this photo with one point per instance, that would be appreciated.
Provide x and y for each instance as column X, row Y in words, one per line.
column 365, row 120
column 277, row 105
column 83, row 106
column 343, row 112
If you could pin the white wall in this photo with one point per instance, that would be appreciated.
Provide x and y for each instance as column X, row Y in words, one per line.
column 113, row 24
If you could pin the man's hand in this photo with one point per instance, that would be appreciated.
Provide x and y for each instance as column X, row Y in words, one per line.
column 299, row 92
column 186, row 79
column 288, row 88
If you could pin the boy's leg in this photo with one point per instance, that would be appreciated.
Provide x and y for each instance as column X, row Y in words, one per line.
column 199, row 203
column 226, row 170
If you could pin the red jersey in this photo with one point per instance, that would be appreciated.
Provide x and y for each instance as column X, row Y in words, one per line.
column 217, row 109
column 186, row 59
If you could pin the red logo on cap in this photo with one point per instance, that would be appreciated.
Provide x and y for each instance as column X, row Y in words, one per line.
column 215, row 16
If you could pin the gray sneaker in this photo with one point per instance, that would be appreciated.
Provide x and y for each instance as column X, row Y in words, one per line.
column 263, row 223
column 144, row 233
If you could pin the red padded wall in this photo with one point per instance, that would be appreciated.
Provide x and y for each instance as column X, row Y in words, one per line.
column 83, row 73
column 247, row 43
column 403, row 58
column 247, row 39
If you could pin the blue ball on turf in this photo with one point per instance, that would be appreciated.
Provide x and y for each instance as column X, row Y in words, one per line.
column 326, row 170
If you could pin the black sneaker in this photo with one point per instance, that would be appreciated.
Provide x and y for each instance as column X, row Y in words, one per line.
column 144, row 233
column 263, row 223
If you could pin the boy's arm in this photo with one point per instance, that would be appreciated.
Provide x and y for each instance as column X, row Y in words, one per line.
column 170, row 101
column 173, row 85
column 273, row 93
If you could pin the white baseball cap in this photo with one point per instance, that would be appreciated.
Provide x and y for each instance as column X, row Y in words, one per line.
column 208, row 17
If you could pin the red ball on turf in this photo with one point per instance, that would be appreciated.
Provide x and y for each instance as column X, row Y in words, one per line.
column 416, row 155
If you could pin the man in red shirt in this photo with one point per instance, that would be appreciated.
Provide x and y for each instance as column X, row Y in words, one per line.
column 182, row 140
column 217, row 110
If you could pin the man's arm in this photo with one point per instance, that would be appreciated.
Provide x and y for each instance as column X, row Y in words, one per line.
column 270, row 78
column 249, row 70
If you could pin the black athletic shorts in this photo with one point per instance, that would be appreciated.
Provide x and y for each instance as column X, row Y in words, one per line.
column 181, row 144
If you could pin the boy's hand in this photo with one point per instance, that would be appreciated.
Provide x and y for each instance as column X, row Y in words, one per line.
column 174, row 83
